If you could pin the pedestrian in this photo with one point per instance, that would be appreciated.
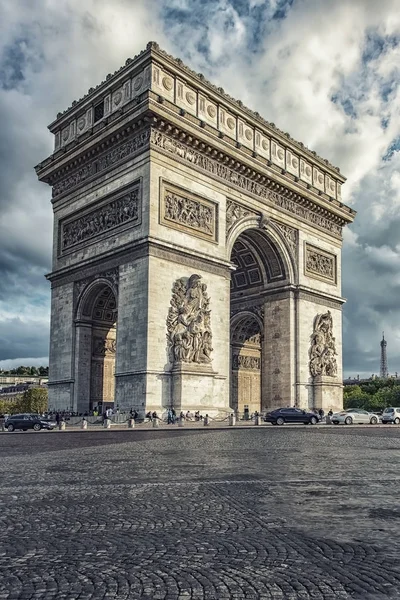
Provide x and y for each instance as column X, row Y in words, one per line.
column 330, row 413
column 135, row 415
column 154, row 415
column 148, row 416
column 321, row 414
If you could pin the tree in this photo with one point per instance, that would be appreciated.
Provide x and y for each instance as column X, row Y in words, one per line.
column 34, row 400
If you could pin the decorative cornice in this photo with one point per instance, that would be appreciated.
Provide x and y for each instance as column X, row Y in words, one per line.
column 154, row 50
column 219, row 165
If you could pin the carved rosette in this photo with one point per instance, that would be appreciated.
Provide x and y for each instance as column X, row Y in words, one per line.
column 188, row 324
column 323, row 349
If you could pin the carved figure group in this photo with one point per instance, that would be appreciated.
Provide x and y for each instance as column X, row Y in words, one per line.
column 188, row 323
column 111, row 215
column 188, row 212
column 103, row 346
column 320, row 264
column 323, row 349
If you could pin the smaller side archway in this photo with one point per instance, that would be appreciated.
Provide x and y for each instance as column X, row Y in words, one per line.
column 246, row 364
column 95, row 348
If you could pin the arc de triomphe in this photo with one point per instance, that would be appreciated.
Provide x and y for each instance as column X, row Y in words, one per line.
column 197, row 251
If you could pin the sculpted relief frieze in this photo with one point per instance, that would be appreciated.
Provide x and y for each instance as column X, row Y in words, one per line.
column 188, row 324
column 320, row 264
column 103, row 346
column 96, row 166
column 323, row 348
column 242, row 361
column 187, row 212
column 232, row 176
column 120, row 211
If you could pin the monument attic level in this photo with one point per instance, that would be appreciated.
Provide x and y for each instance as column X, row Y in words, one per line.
column 197, row 251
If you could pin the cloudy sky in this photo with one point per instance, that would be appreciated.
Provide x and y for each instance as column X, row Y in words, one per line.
column 326, row 71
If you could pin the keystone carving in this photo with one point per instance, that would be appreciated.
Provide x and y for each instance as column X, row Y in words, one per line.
column 188, row 324
column 323, row 349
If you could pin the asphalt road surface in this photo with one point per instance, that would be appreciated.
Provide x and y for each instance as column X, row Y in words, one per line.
column 272, row 513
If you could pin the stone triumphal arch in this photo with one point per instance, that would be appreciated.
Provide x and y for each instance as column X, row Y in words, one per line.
column 197, row 250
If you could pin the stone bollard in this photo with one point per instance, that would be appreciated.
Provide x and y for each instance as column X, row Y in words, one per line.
column 328, row 420
column 155, row 423
column 205, row 420
column 232, row 420
column 180, row 422
column 107, row 424
column 257, row 420
column 84, row 424
column 2, row 427
column 61, row 426
column 131, row 424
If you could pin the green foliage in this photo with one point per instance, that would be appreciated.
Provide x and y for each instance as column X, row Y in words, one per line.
column 34, row 400
column 28, row 371
column 372, row 395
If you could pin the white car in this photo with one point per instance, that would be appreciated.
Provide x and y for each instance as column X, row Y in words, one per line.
column 391, row 415
column 354, row 415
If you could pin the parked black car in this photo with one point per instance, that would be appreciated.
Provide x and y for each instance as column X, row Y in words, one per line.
column 28, row 421
column 291, row 415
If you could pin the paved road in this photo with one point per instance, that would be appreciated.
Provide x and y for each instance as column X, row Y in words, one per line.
column 272, row 513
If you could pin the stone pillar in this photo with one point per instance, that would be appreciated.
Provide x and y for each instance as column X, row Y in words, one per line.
column 132, row 330
column 82, row 367
column 278, row 353
column 61, row 347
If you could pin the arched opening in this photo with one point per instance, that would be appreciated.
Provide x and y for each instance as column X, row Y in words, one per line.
column 96, row 343
column 260, row 268
column 246, row 365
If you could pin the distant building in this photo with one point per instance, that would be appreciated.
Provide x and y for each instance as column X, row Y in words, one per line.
column 7, row 380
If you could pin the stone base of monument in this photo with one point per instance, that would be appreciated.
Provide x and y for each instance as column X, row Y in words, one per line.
column 196, row 387
column 328, row 393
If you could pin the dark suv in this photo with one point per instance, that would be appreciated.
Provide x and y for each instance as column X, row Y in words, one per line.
column 291, row 415
column 28, row 421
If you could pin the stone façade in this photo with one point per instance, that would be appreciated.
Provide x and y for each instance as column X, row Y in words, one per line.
column 157, row 176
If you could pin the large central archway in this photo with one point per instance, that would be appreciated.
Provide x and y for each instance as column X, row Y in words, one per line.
column 260, row 271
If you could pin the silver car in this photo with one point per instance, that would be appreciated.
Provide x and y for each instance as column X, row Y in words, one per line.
column 354, row 415
column 391, row 415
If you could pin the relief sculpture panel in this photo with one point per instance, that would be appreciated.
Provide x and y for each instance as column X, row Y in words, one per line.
column 188, row 324
column 120, row 211
column 187, row 212
column 320, row 264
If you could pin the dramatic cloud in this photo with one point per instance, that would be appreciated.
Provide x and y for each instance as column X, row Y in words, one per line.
column 326, row 72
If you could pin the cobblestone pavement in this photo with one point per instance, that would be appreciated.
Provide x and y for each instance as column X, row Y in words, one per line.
column 265, row 513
